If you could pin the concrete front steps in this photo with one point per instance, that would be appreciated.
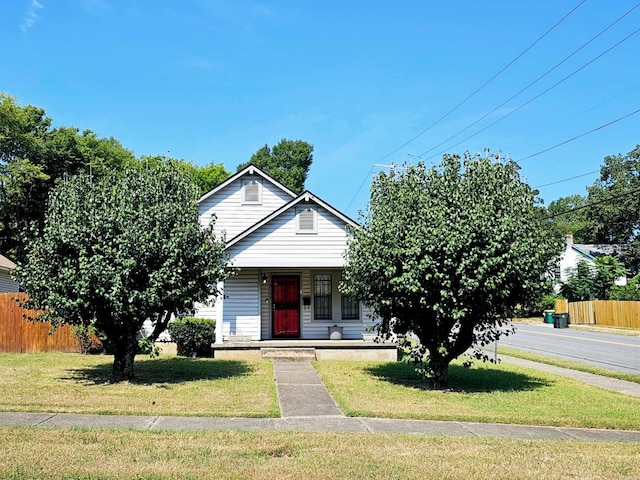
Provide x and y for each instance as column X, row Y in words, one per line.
column 307, row 350
column 292, row 353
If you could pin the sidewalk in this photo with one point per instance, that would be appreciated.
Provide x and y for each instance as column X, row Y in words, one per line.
column 608, row 383
column 336, row 423
column 307, row 406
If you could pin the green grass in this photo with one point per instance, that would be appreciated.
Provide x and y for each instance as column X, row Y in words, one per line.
column 169, row 385
column 500, row 393
column 41, row 453
column 558, row 362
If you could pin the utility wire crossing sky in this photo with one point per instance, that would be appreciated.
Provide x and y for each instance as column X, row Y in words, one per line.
column 213, row 81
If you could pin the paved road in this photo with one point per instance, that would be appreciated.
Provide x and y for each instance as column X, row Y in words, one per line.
column 614, row 352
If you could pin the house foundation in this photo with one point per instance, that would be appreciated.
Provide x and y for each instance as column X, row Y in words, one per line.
column 307, row 350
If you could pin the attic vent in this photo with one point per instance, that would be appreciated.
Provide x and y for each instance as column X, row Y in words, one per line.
column 306, row 220
column 252, row 192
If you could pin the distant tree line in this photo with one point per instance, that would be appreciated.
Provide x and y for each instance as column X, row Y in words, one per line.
column 35, row 156
column 614, row 217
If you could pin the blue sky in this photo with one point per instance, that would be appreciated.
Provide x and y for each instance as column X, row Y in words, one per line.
column 214, row 80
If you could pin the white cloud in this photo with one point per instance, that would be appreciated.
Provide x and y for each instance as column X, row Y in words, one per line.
column 31, row 15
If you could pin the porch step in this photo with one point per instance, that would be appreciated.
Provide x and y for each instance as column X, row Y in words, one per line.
column 288, row 353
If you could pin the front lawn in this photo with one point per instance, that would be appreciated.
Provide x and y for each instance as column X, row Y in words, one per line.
column 500, row 393
column 169, row 385
column 41, row 453
column 172, row 385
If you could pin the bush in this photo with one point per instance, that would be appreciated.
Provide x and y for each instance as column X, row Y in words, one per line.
column 87, row 340
column 630, row 291
column 193, row 336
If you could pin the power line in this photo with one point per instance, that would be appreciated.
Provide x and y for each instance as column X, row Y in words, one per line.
column 534, row 82
column 466, row 99
column 588, row 205
column 578, row 136
column 540, row 94
column 567, row 179
column 364, row 180
column 484, row 84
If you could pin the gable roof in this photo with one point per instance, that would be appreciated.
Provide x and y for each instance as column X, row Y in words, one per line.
column 599, row 250
column 250, row 170
column 305, row 196
column 582, row 252
column 6, row 264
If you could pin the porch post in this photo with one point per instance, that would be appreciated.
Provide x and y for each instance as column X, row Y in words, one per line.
column 219, row 312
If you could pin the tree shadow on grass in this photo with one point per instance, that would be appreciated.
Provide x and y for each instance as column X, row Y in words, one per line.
column 461, row 379
column 173, row 370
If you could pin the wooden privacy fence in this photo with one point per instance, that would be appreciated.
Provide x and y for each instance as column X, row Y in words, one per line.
column 17, row 334
column 612, row 313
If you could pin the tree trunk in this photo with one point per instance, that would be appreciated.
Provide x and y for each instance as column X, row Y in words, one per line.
column 123, row 357
column 440, row 369
column 162, row 320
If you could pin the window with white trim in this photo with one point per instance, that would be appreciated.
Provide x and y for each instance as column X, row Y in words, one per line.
column 252, row 192
column 306, row 220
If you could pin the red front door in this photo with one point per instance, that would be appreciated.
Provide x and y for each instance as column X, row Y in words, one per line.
column 286, row 306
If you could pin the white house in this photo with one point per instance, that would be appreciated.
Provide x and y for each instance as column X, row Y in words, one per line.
column 575, row 253
column 288, row 254
column 7, row 284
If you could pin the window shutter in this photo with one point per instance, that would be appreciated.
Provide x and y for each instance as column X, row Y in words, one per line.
column 252, row 192
column 306, row 219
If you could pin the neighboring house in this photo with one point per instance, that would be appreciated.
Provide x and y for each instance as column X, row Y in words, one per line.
column 6, row 283
column 287, row 251
column 575, row 253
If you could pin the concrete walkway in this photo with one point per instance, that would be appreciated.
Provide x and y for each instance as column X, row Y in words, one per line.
column 608, row 383
column 307, row 406
column 317, row 424
column 301, row 392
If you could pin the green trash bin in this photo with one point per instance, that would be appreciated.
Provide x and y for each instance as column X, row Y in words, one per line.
column 548, row 316
column 560, row 320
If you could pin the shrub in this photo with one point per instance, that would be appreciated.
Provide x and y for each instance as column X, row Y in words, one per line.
column 193, row 336
column 87, row 340
column 630, row 291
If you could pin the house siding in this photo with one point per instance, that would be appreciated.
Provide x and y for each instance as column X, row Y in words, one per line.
column 207, row 310
column 277, row 243
column 233, row 216
column 242, row 300
column 7, row 284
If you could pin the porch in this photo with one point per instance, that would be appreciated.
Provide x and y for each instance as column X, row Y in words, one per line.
column 306, row 350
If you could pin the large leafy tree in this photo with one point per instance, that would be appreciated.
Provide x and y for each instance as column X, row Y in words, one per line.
column 569, row 216
column 288, row 162
column 34, row 157
column 447, row 253
column 615, row 217
column 205, row 178
column 117, row 250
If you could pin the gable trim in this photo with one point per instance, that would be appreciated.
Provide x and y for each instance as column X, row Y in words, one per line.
column 305, row 196
column 250, row 170
column 582, row 252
